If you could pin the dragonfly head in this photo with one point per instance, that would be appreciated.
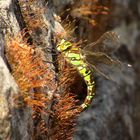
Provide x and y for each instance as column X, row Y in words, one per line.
column 64, row 45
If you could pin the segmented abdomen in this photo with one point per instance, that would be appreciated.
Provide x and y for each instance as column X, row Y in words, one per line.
column 74, row 57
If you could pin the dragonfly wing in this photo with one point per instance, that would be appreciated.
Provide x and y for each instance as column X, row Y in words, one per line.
column 103, row 64
column 96, row 58
column 99, row 54
column 105, row 71
column 107, row 43
column 98, row 71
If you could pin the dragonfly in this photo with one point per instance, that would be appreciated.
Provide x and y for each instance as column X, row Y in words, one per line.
column 91, row 58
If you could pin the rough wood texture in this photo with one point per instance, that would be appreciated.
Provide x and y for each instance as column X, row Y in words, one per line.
column 8, row 89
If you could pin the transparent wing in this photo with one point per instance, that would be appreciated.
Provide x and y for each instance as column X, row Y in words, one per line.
column 99, row 55
column 107, row 43
column 98, row 58
column 103, row 64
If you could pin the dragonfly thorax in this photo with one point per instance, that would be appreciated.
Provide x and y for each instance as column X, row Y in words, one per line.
column 64, row 45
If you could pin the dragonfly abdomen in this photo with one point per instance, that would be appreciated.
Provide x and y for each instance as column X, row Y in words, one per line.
column 76, row 60
column 87, row 75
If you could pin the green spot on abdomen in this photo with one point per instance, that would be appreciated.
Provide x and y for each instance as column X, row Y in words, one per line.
column 76, row 62
column 89, row 97
column 84, row 106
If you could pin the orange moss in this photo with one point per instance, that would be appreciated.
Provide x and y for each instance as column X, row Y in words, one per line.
column 34, row 78
column 64, row 118
column 88, row 9
column 65, row 108
column 31, row 73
